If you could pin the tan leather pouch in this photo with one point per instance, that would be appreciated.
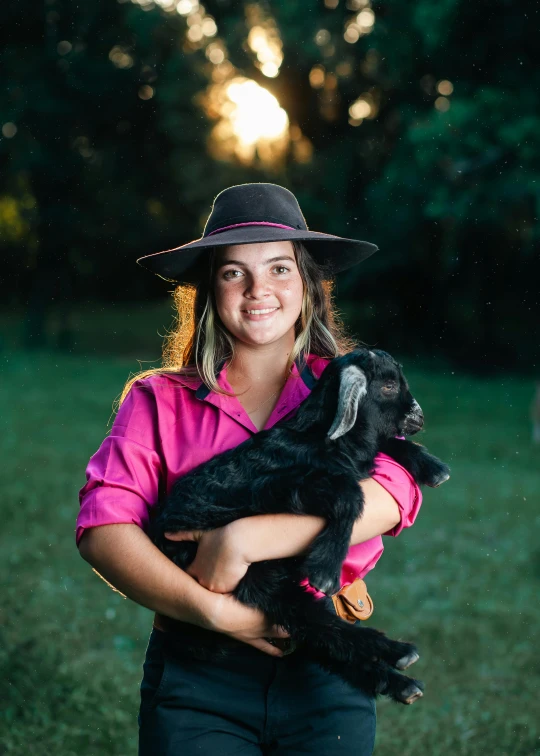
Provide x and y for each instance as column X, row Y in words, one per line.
column 353, row 602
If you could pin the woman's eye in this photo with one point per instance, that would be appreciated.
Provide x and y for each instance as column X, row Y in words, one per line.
column 232, row 273
column 235, row 273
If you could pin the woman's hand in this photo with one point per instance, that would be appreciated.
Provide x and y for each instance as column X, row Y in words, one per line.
column 219, row 563
column 225, row 614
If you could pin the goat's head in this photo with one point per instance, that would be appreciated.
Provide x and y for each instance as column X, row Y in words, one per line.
column 373, row 381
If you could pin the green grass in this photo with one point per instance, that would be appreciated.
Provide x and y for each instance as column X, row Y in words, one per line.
column 463, row 582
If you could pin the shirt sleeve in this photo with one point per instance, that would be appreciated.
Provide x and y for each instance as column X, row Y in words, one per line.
column 401, row 485
column 123, row 477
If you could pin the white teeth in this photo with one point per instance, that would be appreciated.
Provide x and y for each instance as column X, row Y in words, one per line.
column 261, row 312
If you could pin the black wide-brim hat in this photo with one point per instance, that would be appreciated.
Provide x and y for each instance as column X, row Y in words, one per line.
column 250, row 213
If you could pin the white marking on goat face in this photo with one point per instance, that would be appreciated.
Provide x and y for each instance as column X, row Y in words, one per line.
column 352, row 389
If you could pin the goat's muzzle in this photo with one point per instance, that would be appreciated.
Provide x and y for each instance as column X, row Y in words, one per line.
column 414, row 420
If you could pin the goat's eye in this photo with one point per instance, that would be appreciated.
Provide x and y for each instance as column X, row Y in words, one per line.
column 389, row 388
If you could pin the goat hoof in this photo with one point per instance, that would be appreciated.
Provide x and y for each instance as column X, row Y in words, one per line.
column 436, row 482
column 411, row 694
column 328, row 586
column 406, row 661
column 323, row 581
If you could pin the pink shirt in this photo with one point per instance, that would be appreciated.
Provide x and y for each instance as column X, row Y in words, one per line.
column 169, row 424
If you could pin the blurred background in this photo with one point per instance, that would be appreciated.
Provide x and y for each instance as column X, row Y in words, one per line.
column 412, row 125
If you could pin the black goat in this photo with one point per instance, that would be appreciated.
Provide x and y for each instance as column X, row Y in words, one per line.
column 312, row 464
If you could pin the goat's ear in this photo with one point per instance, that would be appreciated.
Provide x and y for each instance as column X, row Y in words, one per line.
column 352, row 389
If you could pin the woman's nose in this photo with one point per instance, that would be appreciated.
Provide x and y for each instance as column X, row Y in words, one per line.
column 257, row 287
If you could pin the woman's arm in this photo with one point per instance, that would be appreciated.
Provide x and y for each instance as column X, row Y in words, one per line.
column 282, row 535
column 125, row 557
column 224, row 554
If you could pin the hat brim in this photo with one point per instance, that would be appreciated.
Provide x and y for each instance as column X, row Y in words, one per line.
column 183, row 264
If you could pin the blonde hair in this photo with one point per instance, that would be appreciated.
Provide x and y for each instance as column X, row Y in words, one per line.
column 198, row 342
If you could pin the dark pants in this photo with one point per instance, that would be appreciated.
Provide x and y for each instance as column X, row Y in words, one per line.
column 248, row 703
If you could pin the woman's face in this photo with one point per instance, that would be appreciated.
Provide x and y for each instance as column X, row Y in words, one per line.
column 258, row 291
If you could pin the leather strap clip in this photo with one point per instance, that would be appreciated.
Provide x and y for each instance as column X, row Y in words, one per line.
column 353, row 602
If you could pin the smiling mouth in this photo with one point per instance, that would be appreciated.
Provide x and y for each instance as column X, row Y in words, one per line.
column 261, row 312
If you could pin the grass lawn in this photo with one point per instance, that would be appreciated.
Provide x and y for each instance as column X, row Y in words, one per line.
column 464, row 582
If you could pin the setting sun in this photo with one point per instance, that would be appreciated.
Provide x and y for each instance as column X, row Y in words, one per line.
column 257, row 114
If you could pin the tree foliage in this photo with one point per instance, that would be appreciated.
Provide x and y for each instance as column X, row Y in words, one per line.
column 110, row 158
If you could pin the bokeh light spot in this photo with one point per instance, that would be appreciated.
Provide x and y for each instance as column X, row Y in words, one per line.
column 445, row 87
column 351, row 34
column 316, row 76
column 64, row 47
column 366, row 18
column 360, row 109
column 185, row 7
column 442, row 104
column 146, row 92
column 322, row 37
column 9, row 130
column 257, row 113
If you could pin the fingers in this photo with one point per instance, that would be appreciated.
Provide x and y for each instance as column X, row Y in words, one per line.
column 268, row 648
column 182, row 535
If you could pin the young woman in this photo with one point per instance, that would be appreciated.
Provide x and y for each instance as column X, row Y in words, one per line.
column 256, row 330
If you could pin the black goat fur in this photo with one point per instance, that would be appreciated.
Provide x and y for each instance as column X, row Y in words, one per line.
column 311, row 464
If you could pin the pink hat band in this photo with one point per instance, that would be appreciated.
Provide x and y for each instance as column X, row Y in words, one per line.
column 250, row 223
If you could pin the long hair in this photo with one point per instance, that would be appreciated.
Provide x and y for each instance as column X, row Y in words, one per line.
column 198, row 342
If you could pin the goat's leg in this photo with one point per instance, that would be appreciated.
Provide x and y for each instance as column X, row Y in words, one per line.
column 363, row 656
column 425, row 468
column 340, row 503
column 344, row 650
column 383, row 680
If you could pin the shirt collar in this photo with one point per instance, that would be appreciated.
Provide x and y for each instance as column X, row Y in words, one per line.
column 298, row 386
